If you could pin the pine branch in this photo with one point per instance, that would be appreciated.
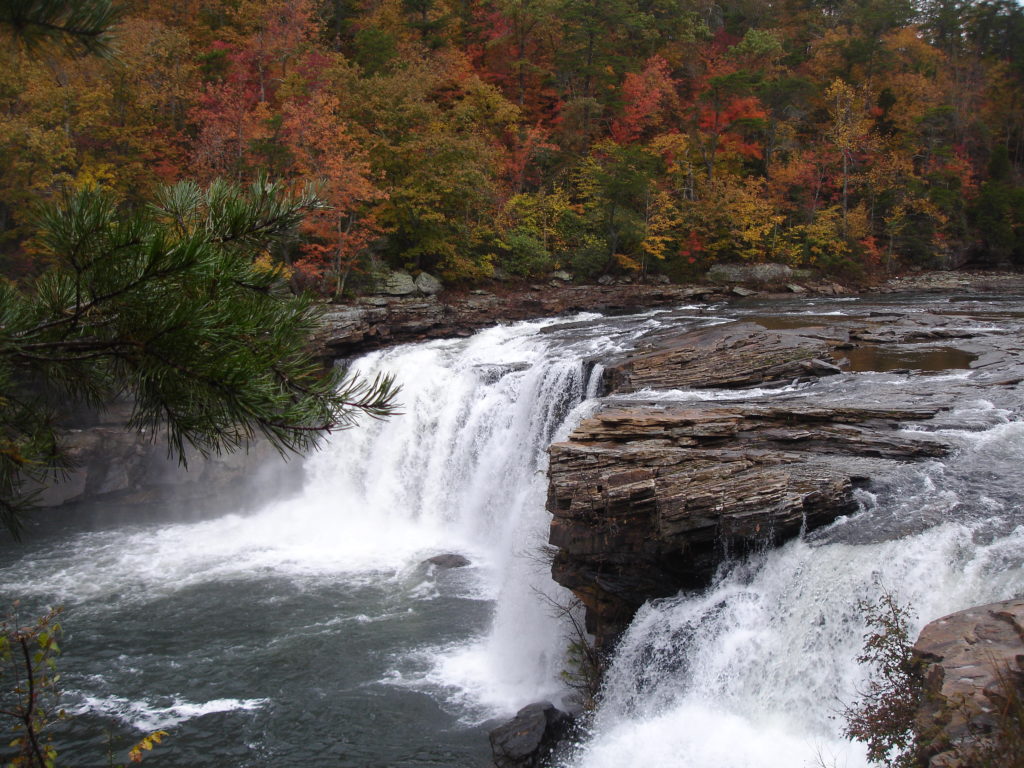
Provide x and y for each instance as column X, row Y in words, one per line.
column 166, row 307
column 75, row 26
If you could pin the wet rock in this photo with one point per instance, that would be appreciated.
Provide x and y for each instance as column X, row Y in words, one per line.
column 647, row 498
column 727, row 355
column 450, row 560
column 490, row 373
column 647, row 501
column 969, row 660
column 428, row 284
column 378, row 321
column 527, row 739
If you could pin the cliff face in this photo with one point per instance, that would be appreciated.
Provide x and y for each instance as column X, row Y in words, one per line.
column 114, row 465
column 648, row 498
column 646, row 501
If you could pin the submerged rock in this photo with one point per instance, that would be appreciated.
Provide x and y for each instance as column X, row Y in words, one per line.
column 448, row 561
column 528, row 738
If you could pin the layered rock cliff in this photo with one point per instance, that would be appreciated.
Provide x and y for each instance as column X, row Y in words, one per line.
column 648, row 498
column 648, row 501
column 116, row 466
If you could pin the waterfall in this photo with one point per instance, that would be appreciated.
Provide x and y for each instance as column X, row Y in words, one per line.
column 463, row 469
column 234, row 623
column 755, row 671
column 311, row 630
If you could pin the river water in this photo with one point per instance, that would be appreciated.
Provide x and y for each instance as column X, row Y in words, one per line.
column 311, row 630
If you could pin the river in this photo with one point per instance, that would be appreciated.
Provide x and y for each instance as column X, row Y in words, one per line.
column 312, row 630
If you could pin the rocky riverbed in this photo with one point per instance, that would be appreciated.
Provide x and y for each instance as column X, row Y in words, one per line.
column 647, row 499
column 650, row 497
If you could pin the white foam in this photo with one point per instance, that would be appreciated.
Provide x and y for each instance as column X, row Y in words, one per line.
column 752, row 672
column 147, row 716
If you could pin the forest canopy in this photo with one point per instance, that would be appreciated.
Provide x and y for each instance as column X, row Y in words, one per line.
column 481, row 138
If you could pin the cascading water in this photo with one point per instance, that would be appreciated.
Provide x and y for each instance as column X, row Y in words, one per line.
column 311, row 631
column 754, row 671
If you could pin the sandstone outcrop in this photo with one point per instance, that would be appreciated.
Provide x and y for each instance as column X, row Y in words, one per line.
column 648, row 498
column 971, row 660
column 646, row 501
column 726, row 355
column 117, row 466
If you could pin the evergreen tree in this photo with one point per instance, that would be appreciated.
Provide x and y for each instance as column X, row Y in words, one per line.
column 168, row 306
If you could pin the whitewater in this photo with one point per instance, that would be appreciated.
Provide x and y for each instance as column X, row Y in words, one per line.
column 312, row 628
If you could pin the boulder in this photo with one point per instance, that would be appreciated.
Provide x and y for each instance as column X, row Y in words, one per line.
column 448, row 561
column 971, row 661
column 428, row 285
column 528, row 738
column 399, row 284
column 562, row 275
column 755, row 274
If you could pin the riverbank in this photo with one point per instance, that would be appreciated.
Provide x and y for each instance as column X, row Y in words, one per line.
column 373, row 322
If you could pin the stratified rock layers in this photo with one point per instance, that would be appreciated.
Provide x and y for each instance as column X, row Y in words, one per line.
column 647, row 500
column 727, row 355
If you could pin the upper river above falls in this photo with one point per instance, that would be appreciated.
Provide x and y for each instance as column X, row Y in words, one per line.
column 310, row 630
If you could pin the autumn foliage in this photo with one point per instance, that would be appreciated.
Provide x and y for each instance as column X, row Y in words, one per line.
column 492, row 137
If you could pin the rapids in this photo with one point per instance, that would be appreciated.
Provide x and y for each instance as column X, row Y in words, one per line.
column 311, row 631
